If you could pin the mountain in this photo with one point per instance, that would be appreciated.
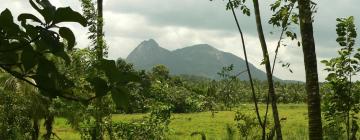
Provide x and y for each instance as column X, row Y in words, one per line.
column 200, row 60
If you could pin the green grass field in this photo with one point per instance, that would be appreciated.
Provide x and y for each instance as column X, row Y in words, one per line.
column 182, row 125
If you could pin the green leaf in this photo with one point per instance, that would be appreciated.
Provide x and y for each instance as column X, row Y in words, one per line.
column 64, row 56
column 50, row 41
column 109, row 67
column 68, row 15
column 324, row 61
column 7, row 24
column 120, row 97
column 9, row 58
column 46, row 76
column 25, row 16
column 68, row 35
column 28, row 58
column 31, row 31
column 48, row 13
column 46, row 67
column 6, row 16
column 34, row 6
column 100, row 86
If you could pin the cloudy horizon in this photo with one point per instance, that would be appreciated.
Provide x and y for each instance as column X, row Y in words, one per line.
column 176, row 24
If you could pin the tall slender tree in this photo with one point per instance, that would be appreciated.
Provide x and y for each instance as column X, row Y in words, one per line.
column 312, row 82
column 231, row 6
column 268, row 69
column 99, row 37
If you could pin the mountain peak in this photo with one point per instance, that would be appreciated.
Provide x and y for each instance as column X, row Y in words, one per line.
column 149, row 43
column 148, row 46
column 146, row 49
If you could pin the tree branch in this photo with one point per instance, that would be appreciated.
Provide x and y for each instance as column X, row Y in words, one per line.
column 247, row 67
column 45, row 89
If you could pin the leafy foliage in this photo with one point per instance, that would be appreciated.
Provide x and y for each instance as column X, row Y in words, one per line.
column 341, row 101
column 28, row 51
column 230, row 94
column 154, row 126
column 22, row 108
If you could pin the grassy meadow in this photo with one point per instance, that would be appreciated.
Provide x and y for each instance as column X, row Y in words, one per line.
column 182, row 125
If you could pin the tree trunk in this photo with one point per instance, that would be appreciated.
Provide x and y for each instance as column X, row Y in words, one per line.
column 100, row 43
column 312, row 83
column 354, row 130
column 49, row 121
column 268, row 70
column 36, row 130
column 97, row 133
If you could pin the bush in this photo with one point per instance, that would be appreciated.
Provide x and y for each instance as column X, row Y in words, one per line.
column 153, row 127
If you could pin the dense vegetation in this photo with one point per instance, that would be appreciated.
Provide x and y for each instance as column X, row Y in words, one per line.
column 44, row 78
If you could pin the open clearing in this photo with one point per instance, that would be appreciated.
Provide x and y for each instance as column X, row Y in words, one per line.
column 182, row 125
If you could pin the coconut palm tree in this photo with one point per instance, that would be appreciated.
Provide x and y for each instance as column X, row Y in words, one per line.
column 24, row 104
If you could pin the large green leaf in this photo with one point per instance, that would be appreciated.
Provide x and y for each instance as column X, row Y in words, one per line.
column 51, row 41
column 100, row 86
column 68, row 35
column 120, row 97
column 49, row 79
column 9, row 58
column 46, row 67
column 64, row 56
column 31, row 31
column 68, row 15
column 37, row 8
column 47, row 10
column 40, row 45
column 6, row 17
column 126, row 77
column 109, row 67
column 45, row 76
column 7, row 24
column 28, row 58
column 25, row 16
column 49, row 14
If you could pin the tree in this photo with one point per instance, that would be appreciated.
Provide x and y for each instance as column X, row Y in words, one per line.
column 231, row 5
column 29, row 52
column 269, row 72
column 24, row 107
column 229, row 94
column 281, row 18
column 312, row 81
column 160, row 72
column 341, row 103
column 100, row 35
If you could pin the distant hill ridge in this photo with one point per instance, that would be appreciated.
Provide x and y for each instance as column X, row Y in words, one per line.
column 200, row 60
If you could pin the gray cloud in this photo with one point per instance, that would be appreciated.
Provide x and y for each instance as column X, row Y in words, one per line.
column 176, row 24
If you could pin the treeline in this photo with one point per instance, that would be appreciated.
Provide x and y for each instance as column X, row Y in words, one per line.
column 186, row 93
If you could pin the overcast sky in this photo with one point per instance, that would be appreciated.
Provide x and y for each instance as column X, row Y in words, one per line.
column 179, row 23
